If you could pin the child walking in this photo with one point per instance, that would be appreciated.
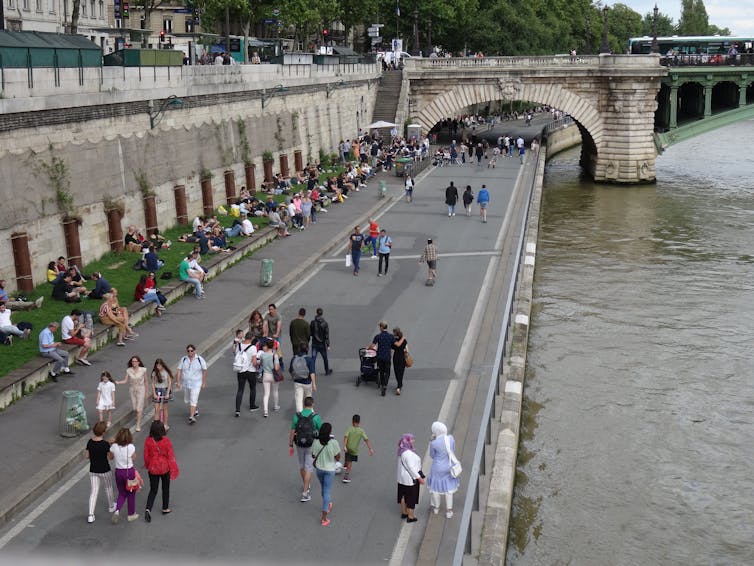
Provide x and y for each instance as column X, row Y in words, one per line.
column 162, row 390
column 97, row 450
column 351, row 441
column 105, row 397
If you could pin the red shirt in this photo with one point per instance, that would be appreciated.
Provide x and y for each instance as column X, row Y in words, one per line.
column 374, row 229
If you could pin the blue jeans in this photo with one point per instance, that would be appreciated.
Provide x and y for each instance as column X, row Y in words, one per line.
column 152, row 298
column 233, row 231
column 320, row 350
column 325, row 480
column 356, row 256
column 196, row 283
column 451, row 209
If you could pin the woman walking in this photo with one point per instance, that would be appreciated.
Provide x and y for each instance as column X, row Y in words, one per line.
column 162, row 390
column 97, row 450
column 270, row 363
column 400, row 346
column 325, row 451
column 409, row 188
column 468, row 199
column 123, row 453
column 410, row 476
column 440, row 481
column 159, row 460
column 136, row 377
column 256, row 326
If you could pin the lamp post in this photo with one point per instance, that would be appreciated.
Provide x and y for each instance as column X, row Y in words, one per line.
column 655, row 47
column 156, row 115
column 416, row 32
column 587, row 25
column 605, row 47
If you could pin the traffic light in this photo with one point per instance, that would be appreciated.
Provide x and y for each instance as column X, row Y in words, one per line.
column 162, row 36
column 125, row 9
column 325, row 33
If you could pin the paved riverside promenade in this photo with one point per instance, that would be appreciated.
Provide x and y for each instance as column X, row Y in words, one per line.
column 237, row 497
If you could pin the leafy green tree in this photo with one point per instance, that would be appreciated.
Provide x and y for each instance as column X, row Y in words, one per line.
column 694, row 19
column 665, row 25
column 714, row 30
column 148, row 6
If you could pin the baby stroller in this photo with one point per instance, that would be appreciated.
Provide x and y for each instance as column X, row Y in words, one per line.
column 367, row 366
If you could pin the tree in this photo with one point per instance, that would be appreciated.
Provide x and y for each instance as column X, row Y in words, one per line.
column 665, row 26
column 148, row 6
column 694, row 19
column 75, row 11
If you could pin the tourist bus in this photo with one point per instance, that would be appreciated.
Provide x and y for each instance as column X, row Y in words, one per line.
column 691, row 45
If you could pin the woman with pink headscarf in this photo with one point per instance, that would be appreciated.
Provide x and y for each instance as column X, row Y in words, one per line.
column 410, row 476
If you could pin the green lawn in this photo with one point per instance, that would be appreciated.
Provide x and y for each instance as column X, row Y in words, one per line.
column 117, row 269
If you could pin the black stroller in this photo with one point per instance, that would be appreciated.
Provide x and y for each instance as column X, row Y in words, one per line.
column 367, row 366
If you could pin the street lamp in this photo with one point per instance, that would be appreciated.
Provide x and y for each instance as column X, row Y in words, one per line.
column 655, row 47
column 588, row 47
column 605, row 47
column 267, row 95
column 155, row 116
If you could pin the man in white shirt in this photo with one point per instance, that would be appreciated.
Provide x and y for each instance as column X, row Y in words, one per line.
column 192, row 373
column 73, row 331
column 8, row 327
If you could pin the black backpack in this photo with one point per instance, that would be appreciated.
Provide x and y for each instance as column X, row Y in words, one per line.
column 305, row 432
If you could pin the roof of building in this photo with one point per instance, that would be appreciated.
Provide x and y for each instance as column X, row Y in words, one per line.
column 45, row 40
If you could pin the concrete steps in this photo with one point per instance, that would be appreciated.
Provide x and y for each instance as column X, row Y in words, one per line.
column 386, row 103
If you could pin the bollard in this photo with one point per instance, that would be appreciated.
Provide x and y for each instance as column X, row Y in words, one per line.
column 265, row 273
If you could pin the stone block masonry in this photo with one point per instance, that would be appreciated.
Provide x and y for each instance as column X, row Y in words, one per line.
column 105, row 149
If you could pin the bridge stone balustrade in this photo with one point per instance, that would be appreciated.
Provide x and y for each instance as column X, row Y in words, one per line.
column 612, row 98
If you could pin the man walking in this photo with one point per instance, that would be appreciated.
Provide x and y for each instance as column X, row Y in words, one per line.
column 355, row 240
column 304, row 429
column 299, row 331
column 430, row 256
column 302, row 371
column 483, row 198
column 273, row 323
column 383, row 343
column 49, row 348
column 451, row 198
column 192, row 371
column 320, row 333
column 245, row 363
column 384, row 245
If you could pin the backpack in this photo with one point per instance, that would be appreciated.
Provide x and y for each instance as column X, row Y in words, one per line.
column 318, row 331
column 241, row 360
column 305, row 432
column 299, row 368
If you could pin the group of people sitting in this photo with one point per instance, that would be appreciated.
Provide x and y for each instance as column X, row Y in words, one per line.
column 69, row 284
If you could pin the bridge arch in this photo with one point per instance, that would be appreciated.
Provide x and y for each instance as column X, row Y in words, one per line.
column 462, row 96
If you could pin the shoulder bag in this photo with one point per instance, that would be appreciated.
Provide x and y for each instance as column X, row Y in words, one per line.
column 407, row 357
column 455, row 466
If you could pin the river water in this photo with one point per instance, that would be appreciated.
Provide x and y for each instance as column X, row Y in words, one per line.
column 638, row 441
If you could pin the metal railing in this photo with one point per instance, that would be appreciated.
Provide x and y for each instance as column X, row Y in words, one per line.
column 704, row 60
column 479, row 462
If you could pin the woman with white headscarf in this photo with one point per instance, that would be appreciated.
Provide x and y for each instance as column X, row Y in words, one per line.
column 440, row 481
column 410, row 476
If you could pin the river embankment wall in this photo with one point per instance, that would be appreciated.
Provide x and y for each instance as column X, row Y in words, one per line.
column 497, row 515
column 97, row 157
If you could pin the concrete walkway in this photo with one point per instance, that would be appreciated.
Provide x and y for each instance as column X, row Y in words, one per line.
column 35, row 456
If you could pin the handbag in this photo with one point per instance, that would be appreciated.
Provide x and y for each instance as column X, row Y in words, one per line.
column 134, row 485
column 277, row 372
column 455, row 466
column 348, row 260
column 407, row 357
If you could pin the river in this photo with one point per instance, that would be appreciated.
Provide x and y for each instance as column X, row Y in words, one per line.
column 636, row 445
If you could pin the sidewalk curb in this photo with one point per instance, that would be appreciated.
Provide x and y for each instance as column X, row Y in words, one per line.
column 71, row 457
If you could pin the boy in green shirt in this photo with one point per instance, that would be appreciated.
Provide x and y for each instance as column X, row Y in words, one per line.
column 351, row 442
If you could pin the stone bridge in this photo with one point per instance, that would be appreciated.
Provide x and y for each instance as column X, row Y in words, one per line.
column 612, row 98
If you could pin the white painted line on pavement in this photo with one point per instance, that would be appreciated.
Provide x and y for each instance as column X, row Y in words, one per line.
column 57, row 494
column 417, row 256
column 340, row 250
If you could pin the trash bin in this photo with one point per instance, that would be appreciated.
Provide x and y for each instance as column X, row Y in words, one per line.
column 382, row 190
column 72, row 414
column 400, row 166
column 265, row 273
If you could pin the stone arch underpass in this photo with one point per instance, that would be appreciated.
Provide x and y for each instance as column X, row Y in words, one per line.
column 611, row 98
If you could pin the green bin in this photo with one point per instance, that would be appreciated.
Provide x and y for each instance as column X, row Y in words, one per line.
column 265, row 274
column 72, row 414
column 401, row 165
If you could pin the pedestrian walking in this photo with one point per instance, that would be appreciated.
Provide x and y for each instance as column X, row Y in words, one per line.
column 355, row 240
column 273, row 323
column 302, row 371
column 451, row 198
column 105, row 397
column 440, row 481
column 192, row 376
column 410, row 477
column 400, row 348
column 159, row 460
column 325, row 452
column 429, row 254
column 483, row 198
column 468, row 198
column 304, row 428
column 269, row 362
column 382, row 344
column 299, row 330
column 100, row 474
column 371, row 240
column 136, row 378
column 162, row 390
column 49, row 348
column 320, row 333
column 123, row 454
column 256, row 325
column 384, row 245
column 409, row 188
column 479, row 153
column 245, row 365
column 351, row 442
